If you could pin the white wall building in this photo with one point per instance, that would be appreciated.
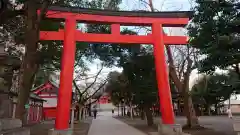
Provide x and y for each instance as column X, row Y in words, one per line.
column 234, row 104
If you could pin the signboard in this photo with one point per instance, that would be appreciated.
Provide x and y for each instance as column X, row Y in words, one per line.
column 27, row 106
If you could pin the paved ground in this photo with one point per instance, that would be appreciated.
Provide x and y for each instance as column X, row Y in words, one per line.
column 80, row 128
column 106, row 125
column 218, row 123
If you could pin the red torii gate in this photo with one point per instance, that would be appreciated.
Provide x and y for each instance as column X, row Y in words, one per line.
column 157, row 20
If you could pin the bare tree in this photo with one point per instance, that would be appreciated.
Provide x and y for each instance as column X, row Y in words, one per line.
column 180, row 69
column 89, row 91
column 30, row 64
column 31, row 58
column 88, row 87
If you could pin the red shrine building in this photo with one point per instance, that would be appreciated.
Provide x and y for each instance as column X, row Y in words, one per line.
column 104, row 99
column 48, row 92
column 104, row 102
column 34, row 107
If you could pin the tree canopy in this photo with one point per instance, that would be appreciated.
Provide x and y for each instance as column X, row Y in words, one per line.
column 214, row 31
column 212, row 89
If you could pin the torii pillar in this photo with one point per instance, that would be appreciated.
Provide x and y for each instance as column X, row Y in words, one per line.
column 71, row 35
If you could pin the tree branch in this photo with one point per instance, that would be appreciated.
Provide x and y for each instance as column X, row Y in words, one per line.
column 99, row 88
column 8, row 14
column 43, row 10
column 75, row 84
column 88, row 87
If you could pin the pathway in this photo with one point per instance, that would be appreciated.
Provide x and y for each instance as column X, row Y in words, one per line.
column 106, row 125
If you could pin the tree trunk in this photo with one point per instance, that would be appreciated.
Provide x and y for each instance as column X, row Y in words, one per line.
column 149, row 116
column 142, row 114
column 29, row 66
column 190, row 113
column 118, row 109
column 122, row 110
column 131, row 111
column 90, row 110
column 77, row 114
column 216, row 109
column 208, row 110
column 237, row 70
column 80, row 113
column 85, row 112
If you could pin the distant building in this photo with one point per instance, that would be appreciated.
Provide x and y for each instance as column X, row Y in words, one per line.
column 104, row 99
column 48, row 92
column 104, row 102
column 34, row 108
column 234, row 104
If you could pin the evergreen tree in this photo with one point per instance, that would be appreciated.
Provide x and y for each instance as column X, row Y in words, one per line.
column 214, row 31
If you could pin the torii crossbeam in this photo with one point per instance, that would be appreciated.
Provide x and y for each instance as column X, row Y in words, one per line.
column 70, row 35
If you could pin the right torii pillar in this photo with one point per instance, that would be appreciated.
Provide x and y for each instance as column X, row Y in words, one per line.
column 164, row 91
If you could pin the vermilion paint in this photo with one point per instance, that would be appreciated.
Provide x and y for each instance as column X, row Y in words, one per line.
column 70, row 35
column 164, row 91
column 66, row 76
column 113, row 38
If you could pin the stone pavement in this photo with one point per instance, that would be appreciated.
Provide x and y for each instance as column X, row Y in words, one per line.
column 107, row 125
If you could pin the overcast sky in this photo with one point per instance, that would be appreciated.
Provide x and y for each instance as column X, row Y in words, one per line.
column 160, row 5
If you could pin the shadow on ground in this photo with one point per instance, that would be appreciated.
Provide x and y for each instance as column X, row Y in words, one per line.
column 215, row 125
column 42, row 129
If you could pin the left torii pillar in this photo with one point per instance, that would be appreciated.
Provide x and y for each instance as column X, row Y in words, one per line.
column 66, row 77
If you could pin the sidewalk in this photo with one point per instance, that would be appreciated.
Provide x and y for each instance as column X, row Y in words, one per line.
column 106, row 125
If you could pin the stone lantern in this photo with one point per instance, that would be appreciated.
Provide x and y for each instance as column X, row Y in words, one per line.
column 7, row 65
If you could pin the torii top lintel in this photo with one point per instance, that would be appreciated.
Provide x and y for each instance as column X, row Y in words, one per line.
column 167, row 19
column 115, row 19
